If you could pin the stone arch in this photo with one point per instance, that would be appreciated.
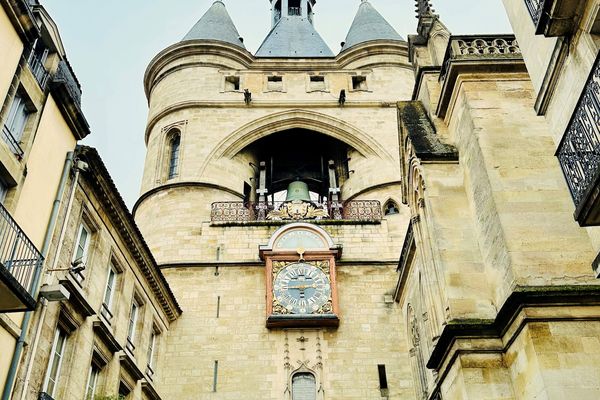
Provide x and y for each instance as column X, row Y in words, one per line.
column 291, row 119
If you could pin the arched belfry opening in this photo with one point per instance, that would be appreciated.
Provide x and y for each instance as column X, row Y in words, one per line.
column 299, row 160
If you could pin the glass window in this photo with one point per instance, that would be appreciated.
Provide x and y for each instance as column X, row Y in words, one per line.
column 304, row 387
column 83, row 243
column 109, row 291
column 55, row 364
column 174, row 156
column 391, row 208
column 152, row 351
column 3, row 191
column 17, row 118
column 133, row 315
column 92, row 383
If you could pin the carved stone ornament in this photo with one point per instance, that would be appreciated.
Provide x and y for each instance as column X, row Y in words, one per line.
column 297, row 210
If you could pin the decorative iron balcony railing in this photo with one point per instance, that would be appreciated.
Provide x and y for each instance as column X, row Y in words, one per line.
column 12, row 142
column 579, row 150
column 18, row 255
column 295, row 11
column 355, row 210
column 535, row 9
column 38, row 70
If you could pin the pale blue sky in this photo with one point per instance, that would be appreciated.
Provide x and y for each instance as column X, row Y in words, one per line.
column 110, row 42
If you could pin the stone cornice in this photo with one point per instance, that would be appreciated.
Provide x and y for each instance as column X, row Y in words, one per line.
column 373, row 49
column 270, row 104
column 22, row 19
column 522, row 297
column 182, row 184
column 477, row 54
column 100, row 180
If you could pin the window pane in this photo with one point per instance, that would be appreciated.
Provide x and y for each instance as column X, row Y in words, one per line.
column 304, row 387
column 132, row 321
column 82, row 244
column 174, row 156
column 55, row 362
column 110, row 287
column 92, row 383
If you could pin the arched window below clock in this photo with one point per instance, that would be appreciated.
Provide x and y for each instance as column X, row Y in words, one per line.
column 304, row 386
column 391, row 208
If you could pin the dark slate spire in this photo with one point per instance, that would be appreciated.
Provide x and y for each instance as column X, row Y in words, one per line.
column 293, row 33
column 216, row 24
column 369, row 25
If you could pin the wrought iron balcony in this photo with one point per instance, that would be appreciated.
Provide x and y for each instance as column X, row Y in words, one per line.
column 239, row 212
column 13, row 143
column 579, row 152
column 553, row 18
column 535, row 9
column 38, row 70
column 20, row 264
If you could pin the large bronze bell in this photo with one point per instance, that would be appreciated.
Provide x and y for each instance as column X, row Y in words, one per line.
column 298, row 191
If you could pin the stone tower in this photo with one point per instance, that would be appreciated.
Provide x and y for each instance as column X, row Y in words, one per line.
column 271, row 200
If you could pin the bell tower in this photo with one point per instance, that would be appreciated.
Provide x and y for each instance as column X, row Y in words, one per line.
column 292, row 8
column 271, row 200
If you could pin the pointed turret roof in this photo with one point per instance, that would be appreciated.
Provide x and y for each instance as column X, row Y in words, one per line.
column 369, row 25
column 294, row 37
column 216, row 24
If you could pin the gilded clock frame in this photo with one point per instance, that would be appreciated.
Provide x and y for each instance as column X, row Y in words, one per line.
column 275, row 261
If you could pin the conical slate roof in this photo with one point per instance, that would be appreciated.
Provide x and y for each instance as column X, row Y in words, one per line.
column 369, row 25
column 294, row 37
column 216, row 24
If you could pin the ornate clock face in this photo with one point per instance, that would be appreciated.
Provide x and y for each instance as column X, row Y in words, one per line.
column 302, row 288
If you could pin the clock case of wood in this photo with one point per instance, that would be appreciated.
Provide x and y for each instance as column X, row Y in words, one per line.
column 280, row 320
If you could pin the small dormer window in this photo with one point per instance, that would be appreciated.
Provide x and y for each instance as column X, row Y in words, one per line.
column 359, row 82
column 275, row 83
column 232, row 83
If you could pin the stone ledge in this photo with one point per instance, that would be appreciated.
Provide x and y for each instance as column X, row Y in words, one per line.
column 522, row 297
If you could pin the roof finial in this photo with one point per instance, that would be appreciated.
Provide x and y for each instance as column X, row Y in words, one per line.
column 424, row 8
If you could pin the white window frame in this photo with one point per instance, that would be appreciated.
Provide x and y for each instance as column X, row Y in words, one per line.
column 174, row 156
column 92, row 383
column 86, row 247
column 108, row 303
column 59, row 335
column 152, row 352
column 18, row 115
column 133, row 319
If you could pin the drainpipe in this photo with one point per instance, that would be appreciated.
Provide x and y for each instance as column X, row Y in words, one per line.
column 36, row 339
column 12, row 372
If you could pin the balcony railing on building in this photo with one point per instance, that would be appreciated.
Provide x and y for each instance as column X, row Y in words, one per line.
column 39, row 71
column 13, row 144
column 535, row 9
column 553, row 18
column 20, row 264
column 355, row 210
column 579, row 152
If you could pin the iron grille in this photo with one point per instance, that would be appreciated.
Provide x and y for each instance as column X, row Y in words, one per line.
column 17, row 253
column 579, row 150
column 535, row 9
